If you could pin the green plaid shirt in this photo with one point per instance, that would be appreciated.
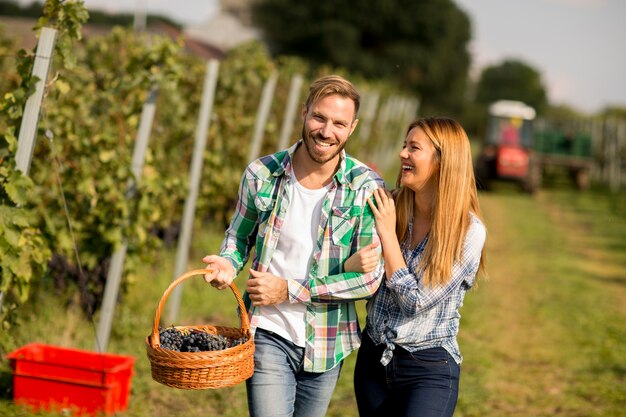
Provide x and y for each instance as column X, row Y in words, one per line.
column 347, row 225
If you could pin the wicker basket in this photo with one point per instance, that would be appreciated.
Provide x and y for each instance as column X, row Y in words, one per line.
column 202, row 370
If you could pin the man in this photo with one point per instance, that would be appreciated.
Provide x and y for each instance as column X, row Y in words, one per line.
column 305, row 210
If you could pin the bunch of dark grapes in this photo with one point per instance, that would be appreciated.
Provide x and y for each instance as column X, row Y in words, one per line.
column 202, row 342
column 171, row 339
column 237, row 342
column 195, row 340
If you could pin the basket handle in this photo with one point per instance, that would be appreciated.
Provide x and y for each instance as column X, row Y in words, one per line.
column 155, row 339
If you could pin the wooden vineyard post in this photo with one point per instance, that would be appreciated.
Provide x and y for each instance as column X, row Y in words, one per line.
column 116, row 268
column 184, row 239
column 30, row 119
column 28, row 128
column 290, row 112
column 262, row 115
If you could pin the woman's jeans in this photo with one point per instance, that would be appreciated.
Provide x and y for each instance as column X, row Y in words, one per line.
column 419, row 384
column 280, row 387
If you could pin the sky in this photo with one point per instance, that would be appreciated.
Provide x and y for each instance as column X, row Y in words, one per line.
column 578, row 46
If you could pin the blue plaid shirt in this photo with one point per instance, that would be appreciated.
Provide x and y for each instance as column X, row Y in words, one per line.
column 406, row 313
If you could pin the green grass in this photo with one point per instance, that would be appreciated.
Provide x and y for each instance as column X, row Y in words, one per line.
column 542, row 335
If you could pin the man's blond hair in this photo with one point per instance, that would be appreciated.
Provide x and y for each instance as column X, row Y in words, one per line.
column 333, row 85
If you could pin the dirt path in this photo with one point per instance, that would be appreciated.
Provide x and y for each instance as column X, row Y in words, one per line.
column 524, row 328
column 607, row 267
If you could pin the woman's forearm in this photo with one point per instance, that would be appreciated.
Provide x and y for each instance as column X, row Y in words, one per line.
column 392, row 254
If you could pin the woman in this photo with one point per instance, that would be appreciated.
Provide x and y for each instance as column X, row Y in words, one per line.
column 433, row 245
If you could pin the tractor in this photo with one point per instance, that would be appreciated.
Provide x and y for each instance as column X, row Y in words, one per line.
column 507, row 152
column 518, row 148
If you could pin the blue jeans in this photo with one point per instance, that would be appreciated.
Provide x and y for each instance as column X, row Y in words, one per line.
column 280, row 387
column 419, row 384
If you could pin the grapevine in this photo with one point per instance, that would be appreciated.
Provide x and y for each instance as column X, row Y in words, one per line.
column 24, row 251
column 86, row 133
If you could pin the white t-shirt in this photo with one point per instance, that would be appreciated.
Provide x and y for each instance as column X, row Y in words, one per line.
column 292, row 258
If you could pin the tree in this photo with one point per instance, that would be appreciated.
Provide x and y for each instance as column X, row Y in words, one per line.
column 512, row 80
column 614, row 111
column 562, row 111
column 421, row 45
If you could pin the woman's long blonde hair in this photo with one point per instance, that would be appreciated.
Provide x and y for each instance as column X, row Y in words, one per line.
column 455, row 198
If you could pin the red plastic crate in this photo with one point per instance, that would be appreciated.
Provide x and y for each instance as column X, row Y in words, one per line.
column 88, row 383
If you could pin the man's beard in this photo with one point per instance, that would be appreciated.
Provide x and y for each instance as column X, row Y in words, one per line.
column 320, row 159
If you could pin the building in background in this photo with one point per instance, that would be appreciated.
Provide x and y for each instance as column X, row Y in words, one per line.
column 229, row 27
